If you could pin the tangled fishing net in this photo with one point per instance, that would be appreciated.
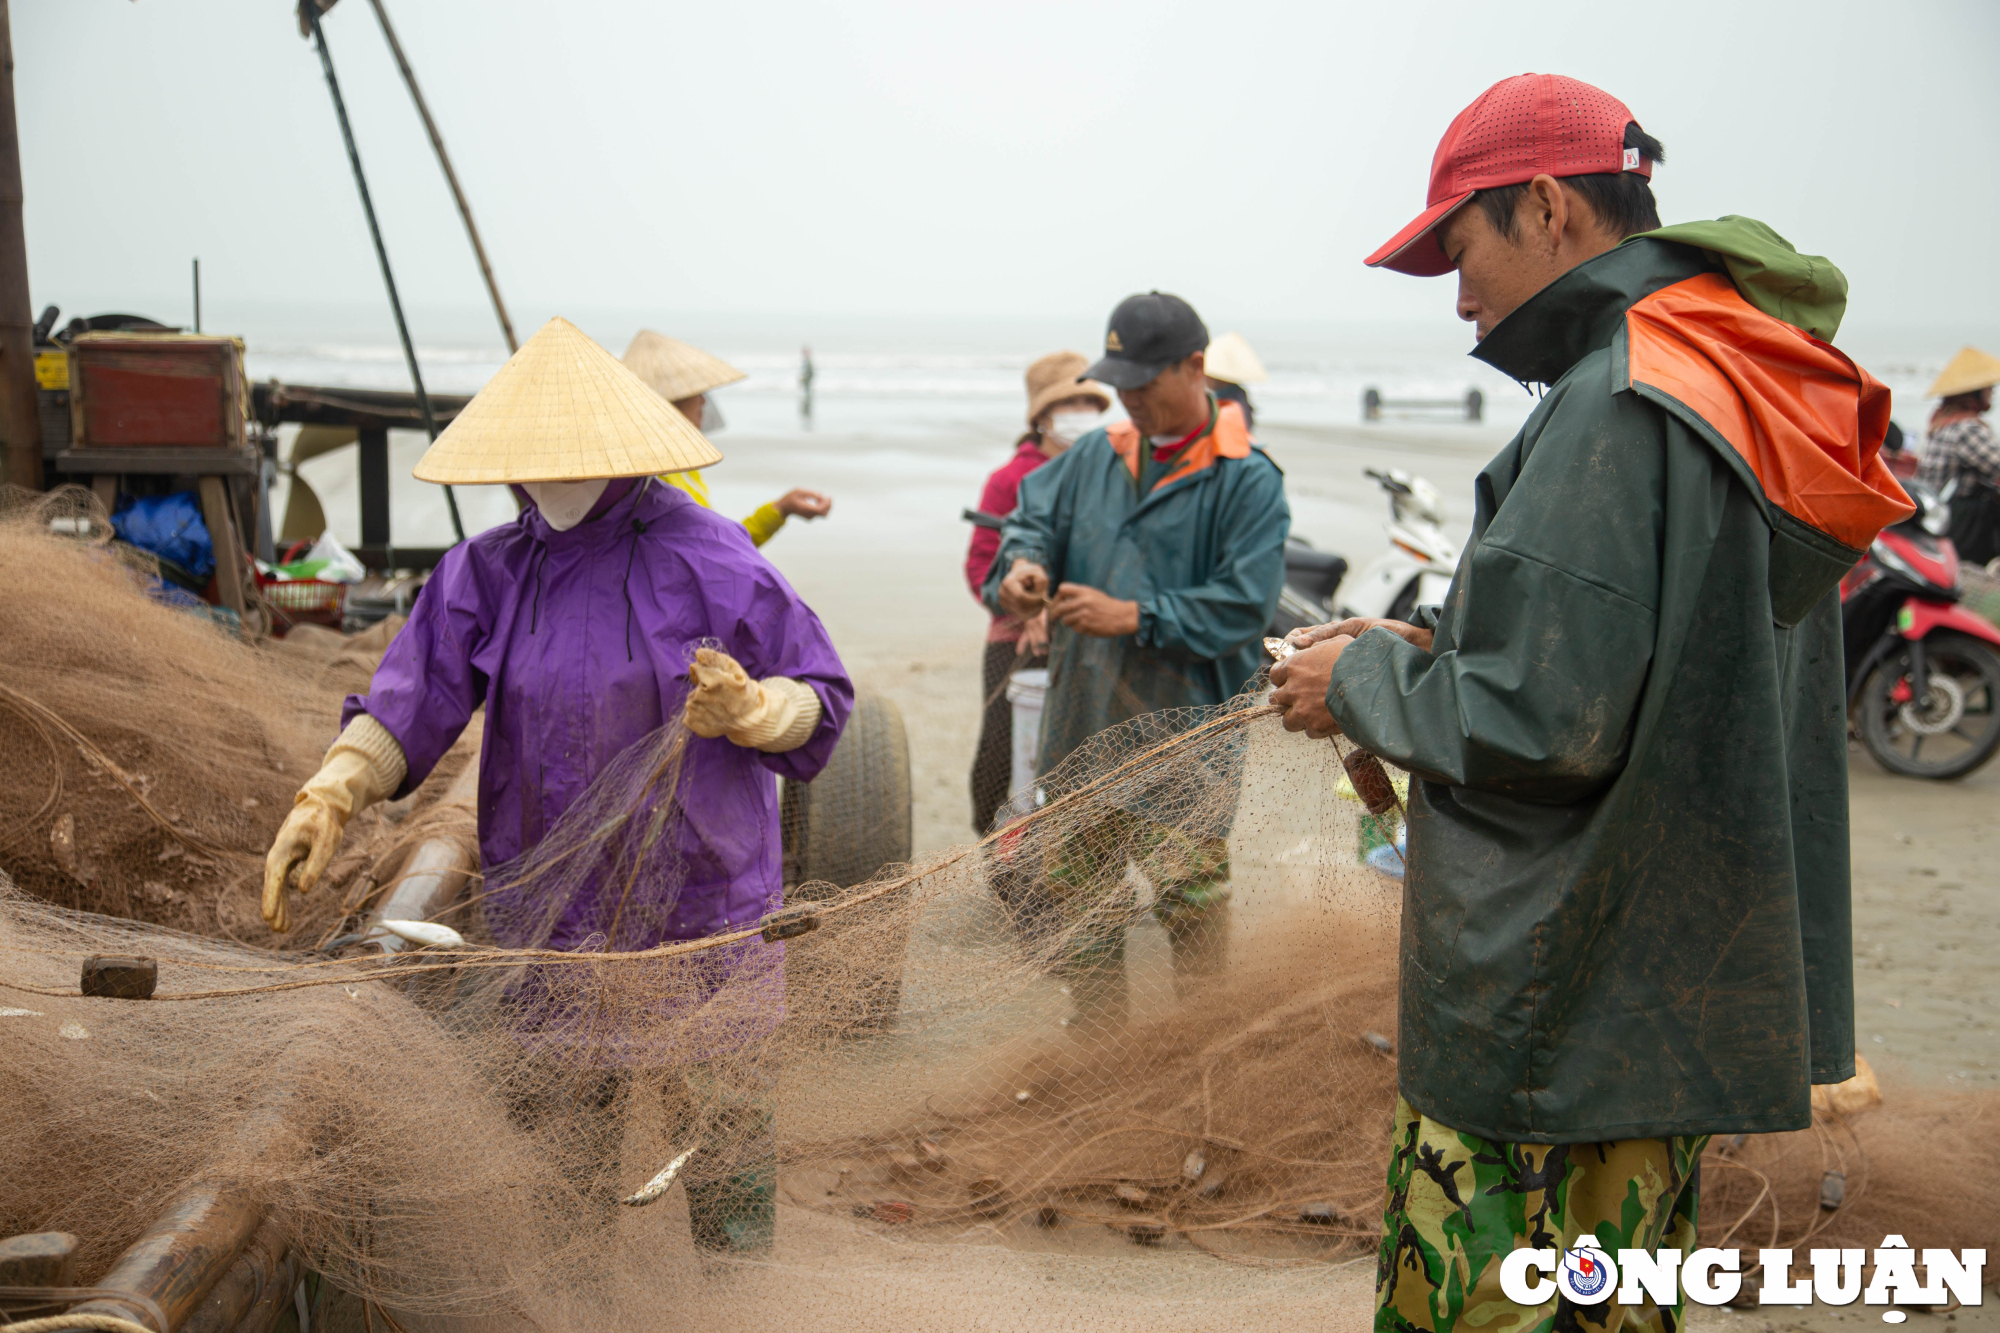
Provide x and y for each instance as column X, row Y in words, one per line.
column 1127, row 1062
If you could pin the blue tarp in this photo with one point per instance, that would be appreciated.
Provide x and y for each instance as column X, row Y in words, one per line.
column 169, row 526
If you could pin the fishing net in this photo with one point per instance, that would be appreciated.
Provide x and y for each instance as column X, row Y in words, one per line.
column 1128, row 1061
column 150, row 757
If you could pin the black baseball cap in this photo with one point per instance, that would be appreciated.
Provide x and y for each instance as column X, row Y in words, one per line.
column 1147, row 334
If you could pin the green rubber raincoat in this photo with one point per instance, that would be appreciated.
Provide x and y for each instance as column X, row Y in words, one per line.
column 1202, row 552
column 1627, row 907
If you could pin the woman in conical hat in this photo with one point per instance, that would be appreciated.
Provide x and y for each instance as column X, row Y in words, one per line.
column 575, row 627
column 685, row 376
column 1960, row 447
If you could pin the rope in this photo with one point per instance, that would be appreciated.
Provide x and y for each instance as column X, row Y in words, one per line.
column 519, row 958
column 106, row 1322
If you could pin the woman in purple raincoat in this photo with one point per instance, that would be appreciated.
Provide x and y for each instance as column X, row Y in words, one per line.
column 576, row 627
column 578, row 643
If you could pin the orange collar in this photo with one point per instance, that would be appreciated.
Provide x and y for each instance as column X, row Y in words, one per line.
column 1229, row 439
column 1806, row 419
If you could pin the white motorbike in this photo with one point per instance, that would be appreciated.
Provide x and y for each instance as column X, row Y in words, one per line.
column 1413, row 572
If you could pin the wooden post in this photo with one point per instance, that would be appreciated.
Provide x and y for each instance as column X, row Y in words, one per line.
column 43, row 1259
column 193, row 1244
column 20, row 417
column 309, row 12
column 450, row 176
column 228, row 543
column 374, row 479
column 265, row 1270
column 177, row 1259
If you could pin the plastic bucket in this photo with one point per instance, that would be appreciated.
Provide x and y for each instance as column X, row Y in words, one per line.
column 1025, row 691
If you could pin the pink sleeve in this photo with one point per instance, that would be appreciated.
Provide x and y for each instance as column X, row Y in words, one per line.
column 1001, row 494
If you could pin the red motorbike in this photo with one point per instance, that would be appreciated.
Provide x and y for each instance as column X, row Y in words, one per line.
column 1923, row 673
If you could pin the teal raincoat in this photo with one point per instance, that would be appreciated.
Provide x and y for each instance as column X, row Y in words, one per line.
column 1202, row 553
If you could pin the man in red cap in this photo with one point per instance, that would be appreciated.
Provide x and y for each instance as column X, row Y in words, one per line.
column 1626, row 917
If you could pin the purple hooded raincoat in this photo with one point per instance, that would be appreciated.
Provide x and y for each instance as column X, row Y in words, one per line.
column 578, row 645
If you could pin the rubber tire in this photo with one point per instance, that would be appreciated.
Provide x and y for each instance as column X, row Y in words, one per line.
column 855, row 817
column 1874, row 698
column 840, row 830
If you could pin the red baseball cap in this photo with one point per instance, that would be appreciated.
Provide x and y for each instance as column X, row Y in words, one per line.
column 1527, row 126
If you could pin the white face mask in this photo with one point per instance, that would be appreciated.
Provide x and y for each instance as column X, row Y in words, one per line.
column 711, row 417
column 1069, row 427
column 564, row 503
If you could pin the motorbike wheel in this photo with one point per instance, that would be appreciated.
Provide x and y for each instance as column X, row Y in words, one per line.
column 1952, row 730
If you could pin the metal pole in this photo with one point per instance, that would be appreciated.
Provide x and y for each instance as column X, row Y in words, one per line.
column 311, row 11
column 22, row 421
column 450, row 176
column 197, row 293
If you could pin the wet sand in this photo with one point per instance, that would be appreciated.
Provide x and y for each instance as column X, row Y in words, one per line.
column 885, row 573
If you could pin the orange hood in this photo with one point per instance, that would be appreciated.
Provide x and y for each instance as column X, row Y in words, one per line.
column 1806, row 420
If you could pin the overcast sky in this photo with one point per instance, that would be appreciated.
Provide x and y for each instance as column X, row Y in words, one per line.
column 1026, row 159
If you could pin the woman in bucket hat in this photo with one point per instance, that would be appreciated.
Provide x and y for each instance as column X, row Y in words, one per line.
column 685, row 376
column 1062, row 408
column 575, row 628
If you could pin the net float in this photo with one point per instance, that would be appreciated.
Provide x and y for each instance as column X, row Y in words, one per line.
column 1371, row 781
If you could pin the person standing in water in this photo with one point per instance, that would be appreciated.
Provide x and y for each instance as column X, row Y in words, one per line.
column 573, row 627
column 1062, row 409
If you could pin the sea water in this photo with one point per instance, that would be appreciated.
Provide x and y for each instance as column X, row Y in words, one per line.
column 925, row 406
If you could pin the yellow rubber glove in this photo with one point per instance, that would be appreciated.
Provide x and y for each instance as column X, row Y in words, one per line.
column 774, row 715
column 365, row 765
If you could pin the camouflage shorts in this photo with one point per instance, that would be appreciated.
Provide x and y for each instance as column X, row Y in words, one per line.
column 1458, row 1204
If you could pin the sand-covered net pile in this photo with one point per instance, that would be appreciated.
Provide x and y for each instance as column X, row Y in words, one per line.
column 150, row 757
column 1128, row 1063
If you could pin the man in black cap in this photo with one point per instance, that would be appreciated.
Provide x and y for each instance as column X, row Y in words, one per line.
column 1157, row 547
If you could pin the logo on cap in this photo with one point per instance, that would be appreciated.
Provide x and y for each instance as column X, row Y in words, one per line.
column 1631, row 159
column 1113, row 343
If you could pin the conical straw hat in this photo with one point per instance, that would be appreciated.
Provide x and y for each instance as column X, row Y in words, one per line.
column 1970, row 369
column 675, row 370
column 564, row 409
column 1230, row 358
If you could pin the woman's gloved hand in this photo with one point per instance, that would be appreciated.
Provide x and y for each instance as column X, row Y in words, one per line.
column 773, row 715
column 365, row 765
